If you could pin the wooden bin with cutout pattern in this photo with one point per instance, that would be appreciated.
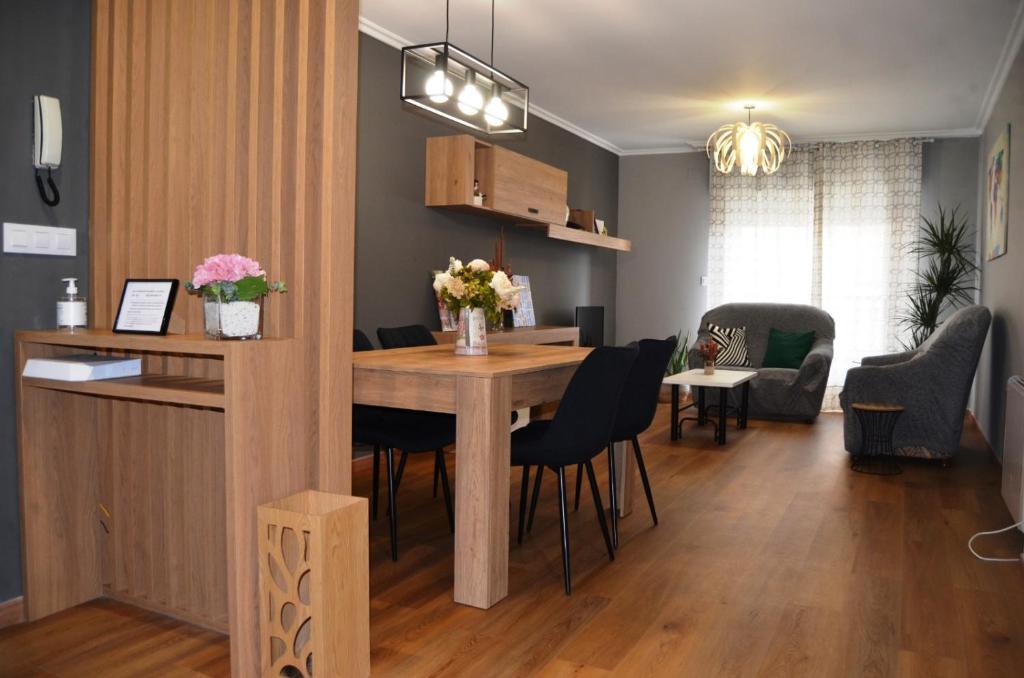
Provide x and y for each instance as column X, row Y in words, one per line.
column 314, row 586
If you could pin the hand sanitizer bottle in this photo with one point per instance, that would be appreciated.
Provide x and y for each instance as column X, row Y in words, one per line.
column 71, row 308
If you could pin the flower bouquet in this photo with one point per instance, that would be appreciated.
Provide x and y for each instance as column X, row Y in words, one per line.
column 709, row 351
column 479, row 295
column 233, row 288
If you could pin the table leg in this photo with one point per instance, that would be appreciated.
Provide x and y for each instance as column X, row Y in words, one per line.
column 723, row 401
column 674, row 424
column 482, row 461
column 744, row 404
column 702, row 412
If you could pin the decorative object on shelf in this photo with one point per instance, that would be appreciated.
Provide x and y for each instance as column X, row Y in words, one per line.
column 480, row 295
column 582, row 220
column 599, row 227
column 709, row 352
column 947, row 278
column 72, row 309
column 478, row 197
column 431, row 74
column 145, row 306
column 755, row 145
column 997, row 183
column 523, row 315
column 233, row 288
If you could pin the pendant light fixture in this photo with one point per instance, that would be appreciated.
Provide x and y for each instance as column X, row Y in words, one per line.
column 754, row 145
column 454, row 84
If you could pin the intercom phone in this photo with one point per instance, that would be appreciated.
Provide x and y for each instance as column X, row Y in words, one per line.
column 47, row 143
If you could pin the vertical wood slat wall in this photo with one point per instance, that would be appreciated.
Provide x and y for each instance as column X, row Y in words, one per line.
column 229, row 126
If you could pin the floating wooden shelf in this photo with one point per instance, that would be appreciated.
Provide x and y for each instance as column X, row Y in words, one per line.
column 159, row 388
column 518, row 190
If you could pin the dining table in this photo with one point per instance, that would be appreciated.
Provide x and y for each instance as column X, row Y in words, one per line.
column 481, row 391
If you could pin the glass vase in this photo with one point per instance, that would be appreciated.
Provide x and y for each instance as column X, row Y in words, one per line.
column 709, row 367
column 472, row 338
column 235, row 320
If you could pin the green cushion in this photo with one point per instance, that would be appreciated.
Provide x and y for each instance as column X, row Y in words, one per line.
column 787, row 349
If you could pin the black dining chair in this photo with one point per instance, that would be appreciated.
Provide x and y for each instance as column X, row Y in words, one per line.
column 580, row 430
column 405, row 336
column 411, row 432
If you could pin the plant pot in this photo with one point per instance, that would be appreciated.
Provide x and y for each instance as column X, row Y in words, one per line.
column 472, row 337
column 709, row 368
column 235, row 320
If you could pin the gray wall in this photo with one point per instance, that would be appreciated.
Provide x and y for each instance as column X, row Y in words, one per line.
column 44, row 49
column 399, row 241
column 663, row 209
column 949, row 175
column 1002, row 279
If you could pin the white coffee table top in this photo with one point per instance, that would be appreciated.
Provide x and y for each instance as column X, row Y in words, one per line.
column 720, row 379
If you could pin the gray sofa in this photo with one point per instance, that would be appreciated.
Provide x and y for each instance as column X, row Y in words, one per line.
column 776, row 393
column 933, row 383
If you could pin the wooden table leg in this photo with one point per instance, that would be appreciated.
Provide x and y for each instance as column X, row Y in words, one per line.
column 482, row 449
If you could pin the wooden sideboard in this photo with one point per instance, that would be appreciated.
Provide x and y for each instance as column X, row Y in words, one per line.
column 145, row 489
column 539, row 334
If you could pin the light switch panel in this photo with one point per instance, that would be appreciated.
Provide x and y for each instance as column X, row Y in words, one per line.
column 49, row 240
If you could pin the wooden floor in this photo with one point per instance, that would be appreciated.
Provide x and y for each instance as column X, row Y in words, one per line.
column 771, row 559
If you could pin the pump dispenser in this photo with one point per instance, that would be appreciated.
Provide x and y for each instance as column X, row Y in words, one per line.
column 71, row 308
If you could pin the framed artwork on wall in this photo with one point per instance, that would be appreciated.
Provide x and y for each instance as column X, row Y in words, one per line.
column 997, row 203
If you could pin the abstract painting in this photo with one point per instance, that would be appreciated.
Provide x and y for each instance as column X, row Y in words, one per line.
column 997, row 204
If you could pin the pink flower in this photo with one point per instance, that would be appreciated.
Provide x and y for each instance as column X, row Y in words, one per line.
column 225, row 268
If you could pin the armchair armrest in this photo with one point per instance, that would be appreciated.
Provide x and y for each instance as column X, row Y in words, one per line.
column 887, row 359
column 817, row 362
column 898, row 383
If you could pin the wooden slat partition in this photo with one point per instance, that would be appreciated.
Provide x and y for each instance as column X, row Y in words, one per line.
column 224, row 126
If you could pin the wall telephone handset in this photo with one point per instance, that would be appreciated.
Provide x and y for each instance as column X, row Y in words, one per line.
column 47, row 143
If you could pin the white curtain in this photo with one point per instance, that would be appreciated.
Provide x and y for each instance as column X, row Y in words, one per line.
column 832, row 228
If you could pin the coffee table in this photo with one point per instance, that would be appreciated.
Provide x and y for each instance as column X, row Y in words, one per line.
column 724, row 381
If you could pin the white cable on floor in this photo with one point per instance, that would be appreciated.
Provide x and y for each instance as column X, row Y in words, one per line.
column 970, row 545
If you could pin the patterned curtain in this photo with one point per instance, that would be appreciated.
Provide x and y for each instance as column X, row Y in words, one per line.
column 832, row 228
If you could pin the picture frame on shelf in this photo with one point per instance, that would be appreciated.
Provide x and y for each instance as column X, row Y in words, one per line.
column 145, row 306
column 523, row 315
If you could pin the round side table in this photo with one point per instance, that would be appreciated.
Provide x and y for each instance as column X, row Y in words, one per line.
column 876, row 456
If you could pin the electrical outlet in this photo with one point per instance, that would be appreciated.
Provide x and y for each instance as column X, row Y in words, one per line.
column 46, row 240
column 703, row 281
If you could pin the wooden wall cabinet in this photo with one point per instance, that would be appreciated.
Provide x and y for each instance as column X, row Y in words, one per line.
column 517, row 189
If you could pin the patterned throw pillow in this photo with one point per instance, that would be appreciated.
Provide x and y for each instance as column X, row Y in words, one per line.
column 733, row 345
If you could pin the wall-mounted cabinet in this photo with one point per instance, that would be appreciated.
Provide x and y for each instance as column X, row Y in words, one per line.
column 517, row 189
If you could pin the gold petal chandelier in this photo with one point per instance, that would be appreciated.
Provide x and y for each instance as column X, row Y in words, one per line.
column 753, row 145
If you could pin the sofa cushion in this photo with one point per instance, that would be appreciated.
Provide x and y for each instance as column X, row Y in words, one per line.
column 732, row 342
column 787, row 349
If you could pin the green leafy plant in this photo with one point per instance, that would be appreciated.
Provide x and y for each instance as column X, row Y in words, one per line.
column 946, row 278
column 677, row 363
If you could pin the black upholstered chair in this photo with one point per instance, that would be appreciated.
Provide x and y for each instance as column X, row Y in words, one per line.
column 580, row 430
column 405, row 336
column 411, row 432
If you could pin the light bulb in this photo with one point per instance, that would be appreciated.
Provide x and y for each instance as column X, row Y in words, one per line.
column 439, row 86
column 496, row 112
column 749, row 144
column 470, row 98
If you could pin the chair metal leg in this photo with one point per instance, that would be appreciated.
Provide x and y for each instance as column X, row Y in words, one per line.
column 579, row 484
column 440, row 465
column 392, row 512
column 613, row 495
column 376, row 479
column 600, row 510
column 643, row 476
column 524, row 487
column 533, row 501
column 563, row 515
column 398, row 475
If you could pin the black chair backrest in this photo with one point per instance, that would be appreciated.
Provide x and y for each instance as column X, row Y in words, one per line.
column 405, row 336
column 590, row 320
column 361, row 342
column 640, row 394
column 582, row 426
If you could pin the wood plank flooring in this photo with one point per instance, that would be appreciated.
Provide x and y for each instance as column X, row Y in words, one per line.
column 771, row 559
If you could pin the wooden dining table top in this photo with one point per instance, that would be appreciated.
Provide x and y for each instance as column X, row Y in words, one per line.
column 501, row 360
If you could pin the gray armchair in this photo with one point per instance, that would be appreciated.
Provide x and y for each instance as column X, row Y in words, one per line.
column 777, row 393
column 932, row 383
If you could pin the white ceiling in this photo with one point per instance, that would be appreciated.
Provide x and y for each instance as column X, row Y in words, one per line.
column 658, row 75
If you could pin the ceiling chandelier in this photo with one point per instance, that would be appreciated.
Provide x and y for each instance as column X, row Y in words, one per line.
column 754, row 145
column 454, row 84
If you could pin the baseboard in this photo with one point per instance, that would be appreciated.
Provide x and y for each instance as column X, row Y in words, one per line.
column 12, row 612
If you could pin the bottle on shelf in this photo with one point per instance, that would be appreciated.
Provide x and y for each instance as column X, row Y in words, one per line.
column 72, row 311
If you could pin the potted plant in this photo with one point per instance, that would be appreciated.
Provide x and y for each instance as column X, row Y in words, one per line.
column 233, row 288
column 676, row 364
column 479, row 295
column 709, row 351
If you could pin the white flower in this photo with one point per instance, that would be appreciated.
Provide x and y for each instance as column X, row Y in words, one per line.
column 440, row 280
column 454, row 265
column 478, row 265
column 506, row 291
column 455, row 287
